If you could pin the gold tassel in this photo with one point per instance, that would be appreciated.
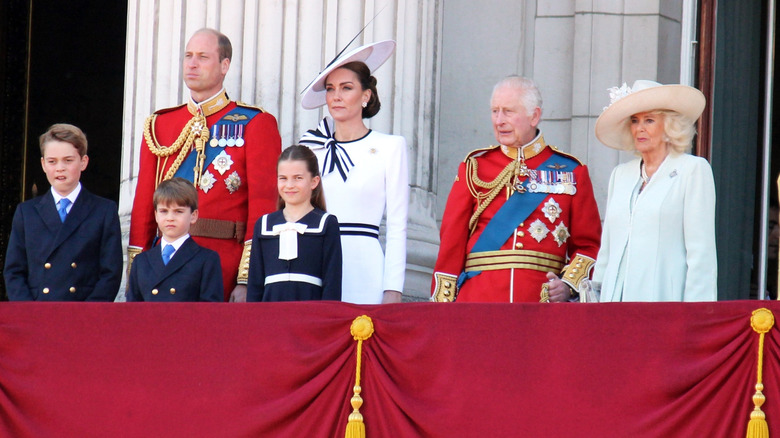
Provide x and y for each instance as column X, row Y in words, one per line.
column 762, row 321
column 362, row 329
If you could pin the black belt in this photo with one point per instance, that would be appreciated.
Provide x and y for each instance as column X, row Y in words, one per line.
column 352, row 229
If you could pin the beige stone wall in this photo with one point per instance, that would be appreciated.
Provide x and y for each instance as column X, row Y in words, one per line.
column 436, row 88
column 574, row 49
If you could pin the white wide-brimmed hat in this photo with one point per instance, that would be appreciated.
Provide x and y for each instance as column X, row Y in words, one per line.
column 612, row 127
column 373, row 55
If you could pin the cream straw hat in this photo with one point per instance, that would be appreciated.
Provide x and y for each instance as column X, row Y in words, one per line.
column 613, row 127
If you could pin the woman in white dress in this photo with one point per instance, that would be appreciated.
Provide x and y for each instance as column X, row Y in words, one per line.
column 364, row 175
column 658, row 241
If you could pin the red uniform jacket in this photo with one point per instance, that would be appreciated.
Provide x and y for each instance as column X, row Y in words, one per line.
column 253, row 184
column 563, row 228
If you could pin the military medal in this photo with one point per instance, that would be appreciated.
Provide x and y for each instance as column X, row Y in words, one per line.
column 223, row 136
column 214, row 142
column 521, row 171
column 561, row 234
column 551, row 209
column 518, row 186
column 231, row 141
column 207, row 181
column 222, row 162
column 538, row 230
column 240, row 135
column 233, row 182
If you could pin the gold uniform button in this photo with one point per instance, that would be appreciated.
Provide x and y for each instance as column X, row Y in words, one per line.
column 155, row 291
column 518, row 245
column 47, row 266
column 45, row 290
column 73, row 265
column 72, row 290
column 522, row 224
column 520, row 234
column 446, row 293
column 173, row 291
column 447, row 284
column 571, row 275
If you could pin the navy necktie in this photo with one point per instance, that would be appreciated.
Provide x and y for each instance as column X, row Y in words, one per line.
column 166, row 253
column 63, row 208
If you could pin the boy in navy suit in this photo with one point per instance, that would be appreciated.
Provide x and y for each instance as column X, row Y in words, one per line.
column 65, row 245
column 178, row 269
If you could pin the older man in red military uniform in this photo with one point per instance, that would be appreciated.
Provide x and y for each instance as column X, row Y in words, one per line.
column 227, row 149
column 518, row 214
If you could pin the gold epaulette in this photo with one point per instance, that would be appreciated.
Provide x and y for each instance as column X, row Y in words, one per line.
column 243, row 265
column 445, row 290
column 565, row 154
column 479, row 151
column 246, row 105
column 577, row 271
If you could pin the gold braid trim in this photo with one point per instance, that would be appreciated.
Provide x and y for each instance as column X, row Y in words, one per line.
column 132, row 251
column 243, row 265
column 445, row 291
column 196, row 132
column 494, row 187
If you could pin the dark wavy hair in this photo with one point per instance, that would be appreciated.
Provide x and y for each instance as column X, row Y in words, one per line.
column 297, row 152
column 367, row 82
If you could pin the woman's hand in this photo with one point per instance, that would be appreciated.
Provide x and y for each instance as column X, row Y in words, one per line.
column 391, row 296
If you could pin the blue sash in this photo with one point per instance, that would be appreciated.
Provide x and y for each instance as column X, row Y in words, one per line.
column 237, row 116
column 515, row 211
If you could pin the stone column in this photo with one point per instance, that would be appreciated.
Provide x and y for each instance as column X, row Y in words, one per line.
column 278, row 48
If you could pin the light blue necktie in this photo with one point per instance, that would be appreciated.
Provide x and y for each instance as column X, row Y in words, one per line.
column 63, row 208
column 166, row 253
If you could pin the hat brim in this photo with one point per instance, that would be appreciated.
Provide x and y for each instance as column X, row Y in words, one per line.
column 373, row 55
column 612, row 127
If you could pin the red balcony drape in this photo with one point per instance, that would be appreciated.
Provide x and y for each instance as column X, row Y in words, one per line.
column 429, row 370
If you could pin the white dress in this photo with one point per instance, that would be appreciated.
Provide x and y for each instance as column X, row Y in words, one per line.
column 660, row 246
column 377, row 180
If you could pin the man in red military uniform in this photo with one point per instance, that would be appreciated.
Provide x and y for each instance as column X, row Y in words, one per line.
column 227, row 149
column 518, row 214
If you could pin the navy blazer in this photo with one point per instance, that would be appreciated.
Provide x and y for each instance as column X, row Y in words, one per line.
column 192, row 274
column 78, row 260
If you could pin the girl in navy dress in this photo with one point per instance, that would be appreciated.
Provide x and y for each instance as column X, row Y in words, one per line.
column 296, row 251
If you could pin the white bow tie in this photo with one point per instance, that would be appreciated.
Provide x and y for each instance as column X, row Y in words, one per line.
column 288, row 238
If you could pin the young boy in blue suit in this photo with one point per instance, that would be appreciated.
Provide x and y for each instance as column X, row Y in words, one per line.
column 178, row 269
column 65, row 245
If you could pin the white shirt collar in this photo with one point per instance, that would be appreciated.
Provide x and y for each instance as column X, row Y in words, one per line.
column 176, row 243
column 71, row 196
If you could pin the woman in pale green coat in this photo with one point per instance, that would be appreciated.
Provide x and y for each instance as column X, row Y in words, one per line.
column 658, row 240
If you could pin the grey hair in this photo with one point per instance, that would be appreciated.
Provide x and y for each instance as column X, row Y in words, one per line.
column 531, row 97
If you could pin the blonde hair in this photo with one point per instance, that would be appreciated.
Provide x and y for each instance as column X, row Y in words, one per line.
column 678, row 129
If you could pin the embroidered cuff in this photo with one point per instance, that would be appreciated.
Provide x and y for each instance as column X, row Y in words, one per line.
column 132, row 251
column 446, row 290
column 577, row 272
column 243, row 265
